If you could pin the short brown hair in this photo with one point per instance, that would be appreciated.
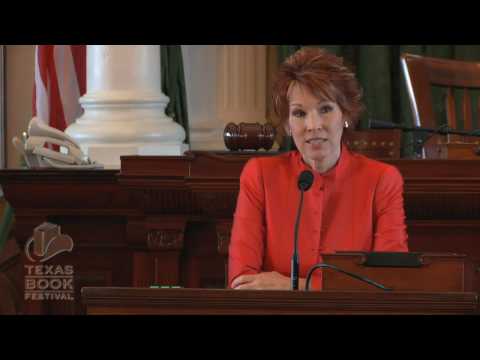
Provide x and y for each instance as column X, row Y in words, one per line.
column 325, row 75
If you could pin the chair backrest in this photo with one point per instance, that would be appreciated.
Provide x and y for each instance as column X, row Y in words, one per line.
column 421, row 73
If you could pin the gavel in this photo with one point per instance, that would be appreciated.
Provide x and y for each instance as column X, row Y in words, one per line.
column 248, row 136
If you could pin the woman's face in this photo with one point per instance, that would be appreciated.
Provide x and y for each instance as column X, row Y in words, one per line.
column 316, row 126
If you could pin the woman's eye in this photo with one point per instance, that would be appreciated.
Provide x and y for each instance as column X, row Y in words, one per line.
column 298, row 113
column 326, row 109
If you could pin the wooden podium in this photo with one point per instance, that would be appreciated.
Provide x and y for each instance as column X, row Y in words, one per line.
column 421, row 283
column 139, row 301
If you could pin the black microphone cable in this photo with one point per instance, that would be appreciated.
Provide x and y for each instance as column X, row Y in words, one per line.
column 358, row 277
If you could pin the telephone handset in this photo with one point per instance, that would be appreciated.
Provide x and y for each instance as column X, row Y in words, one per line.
column 37, row 151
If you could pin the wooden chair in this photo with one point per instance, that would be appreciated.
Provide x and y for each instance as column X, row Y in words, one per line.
column 421, row 75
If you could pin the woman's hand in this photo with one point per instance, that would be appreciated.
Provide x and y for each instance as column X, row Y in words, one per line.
column 263, row 281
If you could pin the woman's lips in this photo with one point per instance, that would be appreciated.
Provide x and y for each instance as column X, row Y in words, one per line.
column 316, row 141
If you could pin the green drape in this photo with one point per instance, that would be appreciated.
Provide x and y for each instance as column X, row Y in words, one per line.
column 173, row 85
column 6, row 221
column 379, row 71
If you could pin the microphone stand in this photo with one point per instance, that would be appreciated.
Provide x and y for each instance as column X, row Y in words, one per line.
column 295, row 257
column 305, row 181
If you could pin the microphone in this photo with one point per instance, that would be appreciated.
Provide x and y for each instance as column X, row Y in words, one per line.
column 304, row 183
column 355, row 276
column 378, row 124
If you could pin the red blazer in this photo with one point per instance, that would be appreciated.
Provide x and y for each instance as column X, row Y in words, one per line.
column 355, row 206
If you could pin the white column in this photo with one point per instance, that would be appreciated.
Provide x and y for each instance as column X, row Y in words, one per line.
column 225, row 83
column 200, row 66
column 125, row 107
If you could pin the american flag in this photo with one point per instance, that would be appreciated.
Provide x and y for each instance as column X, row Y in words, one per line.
column 60, row 80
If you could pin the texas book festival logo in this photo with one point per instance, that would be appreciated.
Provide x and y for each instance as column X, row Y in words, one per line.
column 46, row 281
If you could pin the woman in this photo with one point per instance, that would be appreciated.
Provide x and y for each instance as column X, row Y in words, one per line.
column 354, row 204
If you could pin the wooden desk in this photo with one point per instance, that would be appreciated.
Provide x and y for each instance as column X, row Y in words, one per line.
column 167, row 220
column 110, row 301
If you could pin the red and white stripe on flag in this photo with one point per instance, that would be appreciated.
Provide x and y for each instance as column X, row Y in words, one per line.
column 60, row 80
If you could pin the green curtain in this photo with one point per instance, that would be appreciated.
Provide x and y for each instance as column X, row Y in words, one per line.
column 173, row 85
column 6, row 221
column 379, row 72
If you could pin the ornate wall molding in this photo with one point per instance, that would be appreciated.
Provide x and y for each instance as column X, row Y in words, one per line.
column 165, row 233
column 161, row 240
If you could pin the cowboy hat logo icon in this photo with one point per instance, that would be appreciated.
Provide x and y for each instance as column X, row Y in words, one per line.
column 47, row 241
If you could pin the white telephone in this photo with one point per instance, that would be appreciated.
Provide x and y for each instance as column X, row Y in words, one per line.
column 36, row 154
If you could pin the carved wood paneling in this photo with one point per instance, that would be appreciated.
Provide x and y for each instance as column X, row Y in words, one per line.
column 164, row 239
column 442, row 205
column 217, row 204
column 171, row 202
column 136, row 169
column 379, row 144
column 165, row 233
column 167, row 200
column 156, row 268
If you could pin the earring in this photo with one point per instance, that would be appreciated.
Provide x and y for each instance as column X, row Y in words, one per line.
column 346, row 124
